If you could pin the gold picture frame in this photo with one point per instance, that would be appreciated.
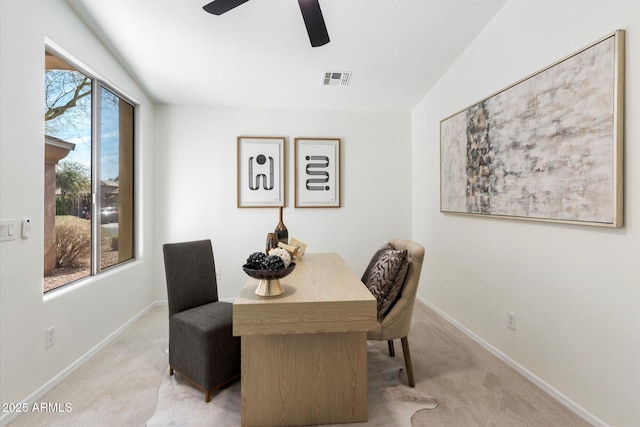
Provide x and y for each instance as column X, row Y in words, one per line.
column 547, row 148
column 261, row 172
column 317, row 173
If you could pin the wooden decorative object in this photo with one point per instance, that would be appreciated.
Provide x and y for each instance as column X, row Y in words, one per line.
column 295, row 247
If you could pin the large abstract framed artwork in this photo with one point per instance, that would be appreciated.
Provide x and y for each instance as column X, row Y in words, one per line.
column 317, row 172
column 547, row 148
column 261, row 171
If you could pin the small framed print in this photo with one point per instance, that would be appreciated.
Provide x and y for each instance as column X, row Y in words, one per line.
column 261, row 176
column 317, row 172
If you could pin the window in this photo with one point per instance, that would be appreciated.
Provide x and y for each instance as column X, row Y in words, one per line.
column 89, row 176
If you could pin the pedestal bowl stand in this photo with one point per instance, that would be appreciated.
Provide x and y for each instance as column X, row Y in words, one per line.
column 269, row 280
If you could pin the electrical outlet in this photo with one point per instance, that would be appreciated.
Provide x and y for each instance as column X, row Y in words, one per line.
column 511, row 320
column 50, row 337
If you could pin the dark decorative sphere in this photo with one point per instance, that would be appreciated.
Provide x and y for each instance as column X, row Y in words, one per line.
column 273, row 262
column 255, row 260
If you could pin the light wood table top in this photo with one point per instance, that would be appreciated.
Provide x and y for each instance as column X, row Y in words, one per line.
column 322, row 294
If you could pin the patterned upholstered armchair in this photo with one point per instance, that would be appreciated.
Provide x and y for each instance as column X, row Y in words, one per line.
column 396, row 322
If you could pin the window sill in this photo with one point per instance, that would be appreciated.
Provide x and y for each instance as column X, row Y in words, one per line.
column 90, row 280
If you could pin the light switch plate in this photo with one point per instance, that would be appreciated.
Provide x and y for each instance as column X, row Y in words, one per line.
column 8, row 229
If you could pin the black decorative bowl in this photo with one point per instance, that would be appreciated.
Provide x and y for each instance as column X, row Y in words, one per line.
column 269, row 284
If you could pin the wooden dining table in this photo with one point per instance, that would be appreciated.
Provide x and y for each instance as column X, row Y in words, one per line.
column 304, row 352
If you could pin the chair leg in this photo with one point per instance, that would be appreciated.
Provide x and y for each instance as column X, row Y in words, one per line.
column 207, row 396
column 392, row 350
column 170, row 370
column 407, row 361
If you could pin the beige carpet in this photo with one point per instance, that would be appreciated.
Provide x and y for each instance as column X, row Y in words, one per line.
column 391, row 403
column 119, row 386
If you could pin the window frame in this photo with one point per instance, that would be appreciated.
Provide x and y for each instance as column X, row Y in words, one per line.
column 97, row 84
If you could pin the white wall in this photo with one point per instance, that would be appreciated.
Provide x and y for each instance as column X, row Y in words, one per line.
column 84, row 315
column 196, row 184
column 575, row 289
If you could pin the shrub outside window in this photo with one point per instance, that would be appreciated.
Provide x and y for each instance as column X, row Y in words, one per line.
column 89, row 176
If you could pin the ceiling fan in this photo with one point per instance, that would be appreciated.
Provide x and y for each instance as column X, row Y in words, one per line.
column 311, row 14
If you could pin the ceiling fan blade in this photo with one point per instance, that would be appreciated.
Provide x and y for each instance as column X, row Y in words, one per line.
column 218, row 7
column 314, row 21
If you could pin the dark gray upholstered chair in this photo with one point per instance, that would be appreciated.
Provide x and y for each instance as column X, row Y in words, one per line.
column 397, row 322
column 202, row 347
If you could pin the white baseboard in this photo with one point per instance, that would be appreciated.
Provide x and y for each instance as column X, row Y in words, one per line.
column 49, row 385
column 577, row 409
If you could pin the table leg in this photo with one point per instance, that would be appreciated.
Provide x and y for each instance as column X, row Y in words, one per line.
column 304, row 379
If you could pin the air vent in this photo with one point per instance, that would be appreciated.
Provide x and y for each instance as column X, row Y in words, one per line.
column 336, row 78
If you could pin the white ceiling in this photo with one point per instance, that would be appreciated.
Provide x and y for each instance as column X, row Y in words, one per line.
column 259, row 54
